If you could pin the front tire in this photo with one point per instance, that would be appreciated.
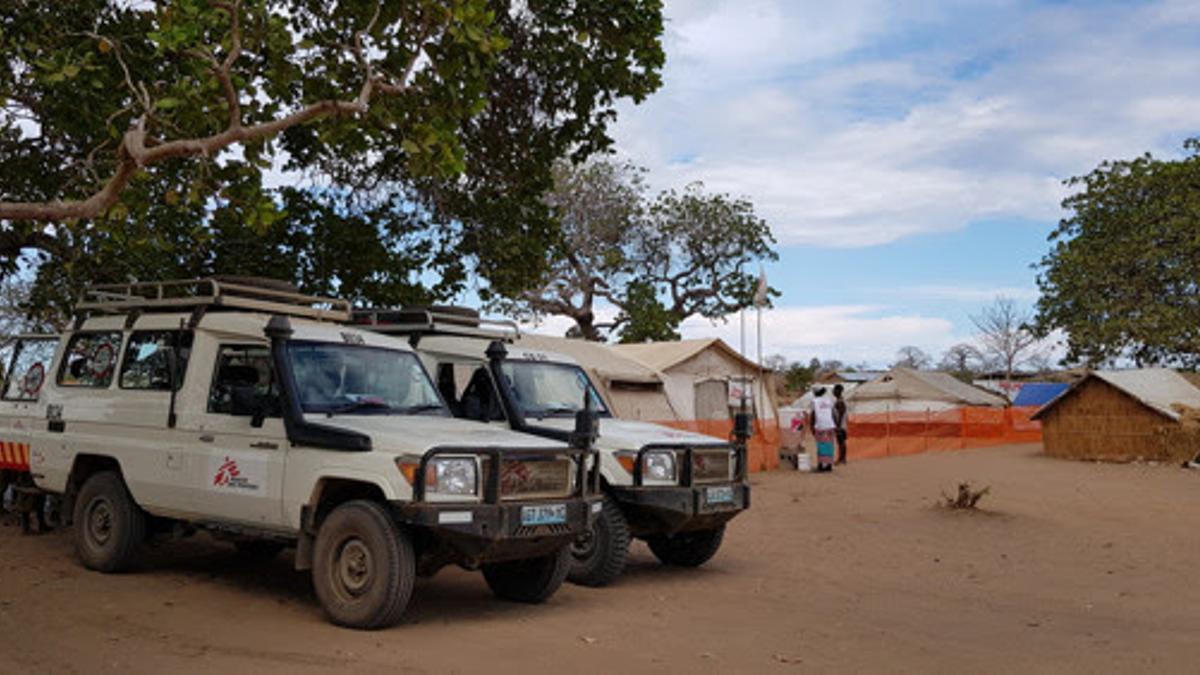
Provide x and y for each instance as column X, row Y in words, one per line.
column 532, row 580
column 688, row 549
column 599, row 555
column 109, row 525
column 363, row 567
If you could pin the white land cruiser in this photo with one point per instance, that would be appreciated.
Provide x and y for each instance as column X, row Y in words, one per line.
column 253, row 413
column 674, row 489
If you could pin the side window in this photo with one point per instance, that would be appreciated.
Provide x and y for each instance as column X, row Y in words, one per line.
column 147, row 362
column 90, row 360
column 241, row 380
column 30, row 364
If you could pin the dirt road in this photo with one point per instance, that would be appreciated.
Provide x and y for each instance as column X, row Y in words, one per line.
column 1072, row 568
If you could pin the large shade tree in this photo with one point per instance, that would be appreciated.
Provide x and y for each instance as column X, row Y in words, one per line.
column 656, row 259
column 1122, row 279
column 150, row 127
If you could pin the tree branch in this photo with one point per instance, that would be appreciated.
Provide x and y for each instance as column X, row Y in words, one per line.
column 137, row 150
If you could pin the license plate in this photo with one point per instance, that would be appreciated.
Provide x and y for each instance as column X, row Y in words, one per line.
column 544, row 514
column 719, row 495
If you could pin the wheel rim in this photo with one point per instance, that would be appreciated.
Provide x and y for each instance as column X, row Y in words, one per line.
column 99, row 522
column 584, row 546
column 354, row 568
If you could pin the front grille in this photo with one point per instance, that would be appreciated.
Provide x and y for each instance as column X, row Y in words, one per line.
column 536, row 478
column 541, row 530
column 711, row 466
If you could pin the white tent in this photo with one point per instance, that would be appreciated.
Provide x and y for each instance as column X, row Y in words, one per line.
column 908, row 390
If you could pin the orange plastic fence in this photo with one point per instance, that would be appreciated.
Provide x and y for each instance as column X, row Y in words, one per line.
column 763, row 450
column 891, row 434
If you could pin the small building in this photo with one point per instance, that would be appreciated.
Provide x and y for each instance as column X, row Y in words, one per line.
column 1120, row 415
column 633, row 391
column 706, row 381
column 907, row 390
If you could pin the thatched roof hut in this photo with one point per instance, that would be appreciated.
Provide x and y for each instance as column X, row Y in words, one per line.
column 1120, row 415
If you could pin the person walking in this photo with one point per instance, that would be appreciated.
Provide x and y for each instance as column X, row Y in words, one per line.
column 841, row 419
column 824, row 429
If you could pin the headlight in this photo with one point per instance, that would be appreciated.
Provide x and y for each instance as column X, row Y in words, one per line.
column 452, row 476
column 659, row 465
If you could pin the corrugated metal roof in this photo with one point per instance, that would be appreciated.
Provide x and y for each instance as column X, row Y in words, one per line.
column 1156, row 388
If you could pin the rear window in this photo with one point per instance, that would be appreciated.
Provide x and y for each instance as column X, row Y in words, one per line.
column 90, row 360
column 147, row 362
column 30, row 364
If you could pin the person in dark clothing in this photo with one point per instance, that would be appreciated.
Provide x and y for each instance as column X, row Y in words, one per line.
column 840, row 416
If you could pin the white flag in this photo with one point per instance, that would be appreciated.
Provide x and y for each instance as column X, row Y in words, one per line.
column 760, row 293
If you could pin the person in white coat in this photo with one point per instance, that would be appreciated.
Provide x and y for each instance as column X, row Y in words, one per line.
column 824, row 428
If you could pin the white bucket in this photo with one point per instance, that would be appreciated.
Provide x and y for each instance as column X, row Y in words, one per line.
column 803, row 463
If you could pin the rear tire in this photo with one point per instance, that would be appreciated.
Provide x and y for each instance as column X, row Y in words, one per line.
column 363, row 567
column 532, row 580
column 109, row 525
column 599, row 555
column 687, row 549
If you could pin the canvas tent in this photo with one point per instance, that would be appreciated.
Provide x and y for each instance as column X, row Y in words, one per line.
column 1121, row 415
column 633, row 390
column 908, row 390
column 705, row 381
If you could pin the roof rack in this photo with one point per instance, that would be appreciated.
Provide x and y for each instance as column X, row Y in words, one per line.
column 265, row 295
column 422, row 321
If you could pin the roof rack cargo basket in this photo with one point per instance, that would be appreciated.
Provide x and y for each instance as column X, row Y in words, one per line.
column 244, row 293
column 436, row 320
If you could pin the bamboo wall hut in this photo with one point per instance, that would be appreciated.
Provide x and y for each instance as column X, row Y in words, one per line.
column 1120, row 415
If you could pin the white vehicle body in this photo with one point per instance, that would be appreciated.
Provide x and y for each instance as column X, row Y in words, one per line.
column 256, row 425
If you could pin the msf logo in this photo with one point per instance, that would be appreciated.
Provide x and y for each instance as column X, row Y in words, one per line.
column 226, row 473
column 229, row 476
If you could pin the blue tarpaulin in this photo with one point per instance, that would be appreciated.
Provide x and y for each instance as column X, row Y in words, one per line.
column 1039, row 393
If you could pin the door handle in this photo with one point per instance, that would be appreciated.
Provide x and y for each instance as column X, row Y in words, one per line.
column 208, row 438
column 264, row 445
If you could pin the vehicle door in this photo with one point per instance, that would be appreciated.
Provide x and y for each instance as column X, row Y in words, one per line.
column 236, row 442
column 21, row 407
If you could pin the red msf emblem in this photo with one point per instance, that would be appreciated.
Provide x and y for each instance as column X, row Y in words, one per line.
column 227, row 472
column 515, row 476
column 700, row 463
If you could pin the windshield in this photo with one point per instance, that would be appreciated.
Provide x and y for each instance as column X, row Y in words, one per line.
column 351, row 379
column 551, row 389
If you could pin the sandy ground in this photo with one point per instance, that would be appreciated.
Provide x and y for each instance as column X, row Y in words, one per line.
column 1071, row 568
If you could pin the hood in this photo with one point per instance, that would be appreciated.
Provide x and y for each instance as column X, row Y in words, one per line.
column 419, row 433
column 618, row 434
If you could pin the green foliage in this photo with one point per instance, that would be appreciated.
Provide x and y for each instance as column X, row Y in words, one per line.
column 465, row 151
column 1122, row 279
column 649, row 320
column 658, row 259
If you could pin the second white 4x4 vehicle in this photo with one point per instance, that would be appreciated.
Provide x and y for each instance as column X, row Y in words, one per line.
column 258, row 415
column 674, row 489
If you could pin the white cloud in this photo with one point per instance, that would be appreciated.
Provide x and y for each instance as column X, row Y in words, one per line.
column 850, row 333
column 844, row 134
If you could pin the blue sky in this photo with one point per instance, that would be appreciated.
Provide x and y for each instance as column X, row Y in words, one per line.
column 908, row 156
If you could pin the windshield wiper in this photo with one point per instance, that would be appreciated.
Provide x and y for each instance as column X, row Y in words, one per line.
column 424, row 407
column 554, row 410
column 361, row 404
